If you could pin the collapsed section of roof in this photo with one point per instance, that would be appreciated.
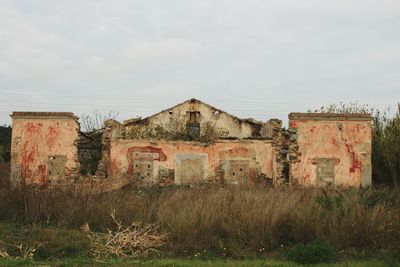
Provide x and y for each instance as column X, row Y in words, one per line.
column 194, row 120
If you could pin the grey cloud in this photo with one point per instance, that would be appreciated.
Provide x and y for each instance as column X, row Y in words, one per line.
column 253, row 58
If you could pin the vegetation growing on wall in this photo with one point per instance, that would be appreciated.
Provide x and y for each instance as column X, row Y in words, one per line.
column 175, row 129
column 385, row 140
column 344, row 108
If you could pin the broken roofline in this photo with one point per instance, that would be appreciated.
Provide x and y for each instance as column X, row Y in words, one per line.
column 192, row 100
column 330, row 116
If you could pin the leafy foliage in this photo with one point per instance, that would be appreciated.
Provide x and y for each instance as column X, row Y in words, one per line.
column 34, row 241
column 315, row 252
column 386, row 149
column 5, row 143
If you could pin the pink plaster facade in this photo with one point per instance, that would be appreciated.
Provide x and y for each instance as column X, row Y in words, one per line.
column 236, row 162
column 332, row 149
column 43, row 149
column 318, row 149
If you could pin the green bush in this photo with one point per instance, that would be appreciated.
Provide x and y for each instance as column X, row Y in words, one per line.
column 315, row 252
column 59, row 243
column 5, row 143
column 48, row 241
column 386, row 149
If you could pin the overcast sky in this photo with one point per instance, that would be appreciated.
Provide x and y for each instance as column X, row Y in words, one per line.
column 253, row 58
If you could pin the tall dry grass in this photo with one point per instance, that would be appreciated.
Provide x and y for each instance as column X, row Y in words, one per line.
column 232, row 221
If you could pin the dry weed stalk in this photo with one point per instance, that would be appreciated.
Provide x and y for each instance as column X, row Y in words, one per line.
column 135, row 240
column 26, row 251
column 4, row 253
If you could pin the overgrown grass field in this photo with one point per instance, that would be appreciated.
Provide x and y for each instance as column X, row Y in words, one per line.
column 184, row 263
column 210, row 222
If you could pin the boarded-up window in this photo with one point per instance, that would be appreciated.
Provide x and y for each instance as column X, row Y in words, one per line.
column 143, row 169
column 192, row 170
column 326, row 171
column 56, row 167
column 238, row 171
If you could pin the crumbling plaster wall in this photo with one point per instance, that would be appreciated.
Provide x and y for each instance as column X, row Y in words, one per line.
column 237, row 128
column 316, row 149
column 43, row 147
column 332, row 149
column 152, row 161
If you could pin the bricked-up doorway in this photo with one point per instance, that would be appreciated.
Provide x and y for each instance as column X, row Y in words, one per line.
column 326, row 171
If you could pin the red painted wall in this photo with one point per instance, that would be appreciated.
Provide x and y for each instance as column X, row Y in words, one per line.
column 164, row 153
column 35, row 137
column 347, row 139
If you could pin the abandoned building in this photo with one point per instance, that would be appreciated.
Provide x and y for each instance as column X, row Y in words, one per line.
column 193, row 143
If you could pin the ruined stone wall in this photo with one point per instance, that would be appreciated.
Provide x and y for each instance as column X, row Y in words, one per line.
column 332, row 149
column 180, row 162
column 43, row 148
column 89, row 151
column 285, row 146
column 112, row 130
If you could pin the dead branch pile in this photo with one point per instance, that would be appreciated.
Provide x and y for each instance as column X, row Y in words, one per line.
column 24, row 251
column 136, row 240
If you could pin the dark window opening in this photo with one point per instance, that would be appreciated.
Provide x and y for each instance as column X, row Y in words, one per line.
column 285, row 172
column 89, row 152
column 193, row 125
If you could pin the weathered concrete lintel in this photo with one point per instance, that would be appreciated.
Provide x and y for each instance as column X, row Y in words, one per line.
column 331, row 116
column 43, row 115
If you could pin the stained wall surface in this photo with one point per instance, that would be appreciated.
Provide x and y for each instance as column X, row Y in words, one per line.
column 43, row 147
column 179, row 162
column 332, row 149
column 317, row 150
